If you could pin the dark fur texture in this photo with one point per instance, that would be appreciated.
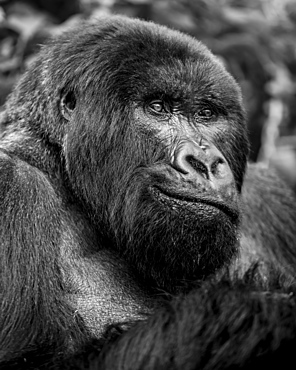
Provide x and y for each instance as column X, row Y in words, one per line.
column 223, row 325
column 122, row 168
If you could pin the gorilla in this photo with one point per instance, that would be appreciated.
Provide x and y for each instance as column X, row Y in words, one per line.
column 134, row 235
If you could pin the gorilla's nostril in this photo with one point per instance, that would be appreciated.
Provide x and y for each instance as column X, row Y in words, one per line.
column 197, row 165
column 218, row 167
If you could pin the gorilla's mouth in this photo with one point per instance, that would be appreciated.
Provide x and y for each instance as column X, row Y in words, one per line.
column 192, row 203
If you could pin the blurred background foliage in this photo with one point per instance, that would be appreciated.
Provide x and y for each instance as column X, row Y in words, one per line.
column 254, row 38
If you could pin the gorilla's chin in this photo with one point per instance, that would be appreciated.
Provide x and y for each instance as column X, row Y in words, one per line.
column 170, row 249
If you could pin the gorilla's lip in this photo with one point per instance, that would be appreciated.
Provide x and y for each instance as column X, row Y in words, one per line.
column 183, row 197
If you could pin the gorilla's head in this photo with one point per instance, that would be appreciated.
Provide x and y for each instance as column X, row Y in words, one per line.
column 153, row 141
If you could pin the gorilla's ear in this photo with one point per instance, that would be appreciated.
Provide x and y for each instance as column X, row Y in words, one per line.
column 67, row 104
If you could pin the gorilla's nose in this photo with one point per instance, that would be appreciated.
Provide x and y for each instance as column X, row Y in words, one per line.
column 202, row 162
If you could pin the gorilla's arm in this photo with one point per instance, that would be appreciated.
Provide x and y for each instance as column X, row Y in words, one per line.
column 222, row 325
column 31, row 301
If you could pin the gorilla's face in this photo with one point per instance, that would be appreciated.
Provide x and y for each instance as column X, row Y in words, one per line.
column 157, row 148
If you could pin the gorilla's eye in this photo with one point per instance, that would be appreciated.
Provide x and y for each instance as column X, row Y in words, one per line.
column 68, row 104
column 157, row 106
column 205, row 113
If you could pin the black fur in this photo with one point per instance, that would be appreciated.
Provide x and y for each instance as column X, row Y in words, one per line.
column 122, row 168
column 223, row 325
